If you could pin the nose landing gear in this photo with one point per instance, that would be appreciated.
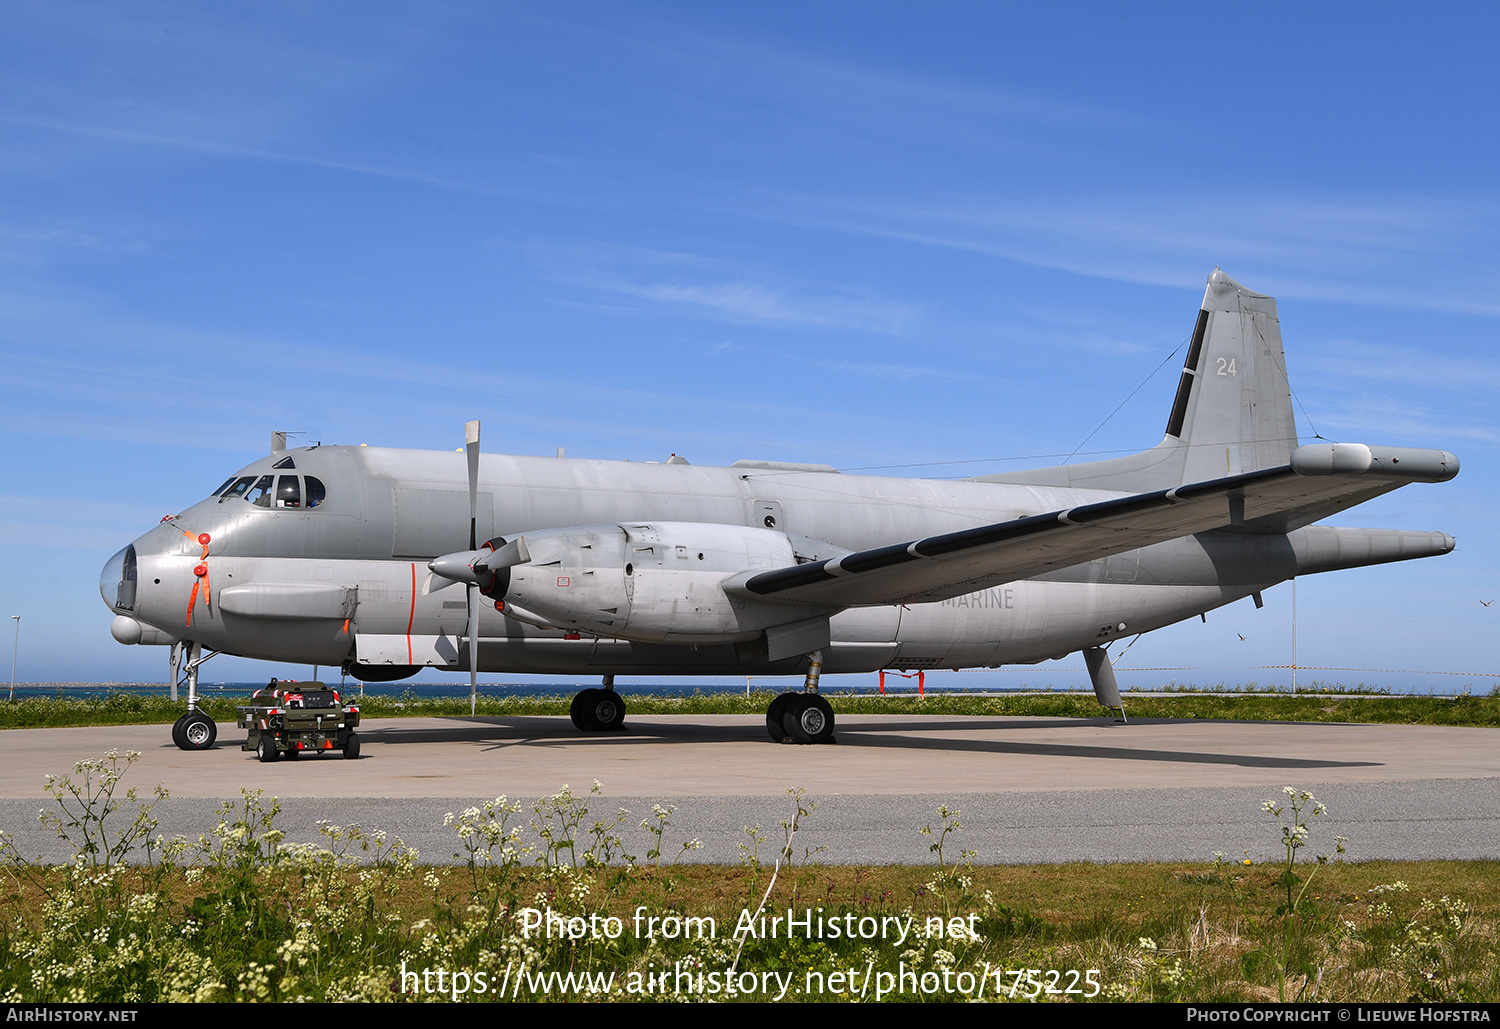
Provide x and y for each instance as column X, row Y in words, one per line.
column 194, row 730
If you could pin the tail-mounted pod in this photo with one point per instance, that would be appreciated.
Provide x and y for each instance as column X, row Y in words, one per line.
column 1411, row 463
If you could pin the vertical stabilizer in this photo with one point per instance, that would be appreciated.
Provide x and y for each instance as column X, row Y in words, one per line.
column 1232, row 412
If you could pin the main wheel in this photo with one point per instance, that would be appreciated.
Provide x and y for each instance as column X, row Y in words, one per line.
column 808, row 719
column 773, row 716
column 351, row 747
column 198, row 731
column 581, row 707
column 266, row 750
column 607, row 710
column 177, row 736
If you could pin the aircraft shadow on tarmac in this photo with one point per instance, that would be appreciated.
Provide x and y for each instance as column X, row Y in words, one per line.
column 547, row 731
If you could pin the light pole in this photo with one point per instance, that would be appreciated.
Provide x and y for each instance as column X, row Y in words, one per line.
column 16, row 650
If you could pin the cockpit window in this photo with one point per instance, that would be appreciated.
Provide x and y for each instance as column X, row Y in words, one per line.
column 285, row 462
column 238, row 489
column 288, row 492
column 221, row 489
column 260, row 494
column 282, row 492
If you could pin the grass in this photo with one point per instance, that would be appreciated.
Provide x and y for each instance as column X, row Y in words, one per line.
column 1212, row 936
column 144, row 709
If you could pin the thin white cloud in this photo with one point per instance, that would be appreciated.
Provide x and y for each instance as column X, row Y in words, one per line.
column 750, row 301
column 1376, row 418
column 893, row 372
column 1411, row 252
column 1348, row 359
column 237, row 150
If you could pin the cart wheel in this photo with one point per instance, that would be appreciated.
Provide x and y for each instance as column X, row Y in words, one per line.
column 266, row 750
column 351, row 747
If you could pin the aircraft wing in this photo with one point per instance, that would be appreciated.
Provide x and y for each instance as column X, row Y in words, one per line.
column 1320, row 478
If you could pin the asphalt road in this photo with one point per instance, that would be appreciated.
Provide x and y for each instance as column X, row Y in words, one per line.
column 1029, row 790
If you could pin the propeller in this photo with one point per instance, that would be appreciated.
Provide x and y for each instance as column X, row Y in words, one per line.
column 471, row 445
column 479, row 567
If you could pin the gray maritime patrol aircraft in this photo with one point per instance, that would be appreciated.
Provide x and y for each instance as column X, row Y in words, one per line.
column 348, row 556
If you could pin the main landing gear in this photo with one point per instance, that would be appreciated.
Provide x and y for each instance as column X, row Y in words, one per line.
column 194, row 730
column 599, row 710
column 802, row 717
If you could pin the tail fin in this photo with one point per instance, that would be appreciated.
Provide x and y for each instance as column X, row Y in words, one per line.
column 1233, row 410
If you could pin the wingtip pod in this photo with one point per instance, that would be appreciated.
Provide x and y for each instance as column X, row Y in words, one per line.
column 1410, row 463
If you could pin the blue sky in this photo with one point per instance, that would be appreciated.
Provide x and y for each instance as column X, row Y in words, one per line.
column 861, row 234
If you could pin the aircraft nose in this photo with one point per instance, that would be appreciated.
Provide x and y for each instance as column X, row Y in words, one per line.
column 118, row 579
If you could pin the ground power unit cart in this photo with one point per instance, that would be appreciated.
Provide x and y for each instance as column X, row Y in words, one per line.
column 296, row 718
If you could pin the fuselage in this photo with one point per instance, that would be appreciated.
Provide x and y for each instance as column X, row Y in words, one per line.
column 311, row 550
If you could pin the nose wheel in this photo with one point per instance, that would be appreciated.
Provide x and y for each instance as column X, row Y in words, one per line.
column 194, row 731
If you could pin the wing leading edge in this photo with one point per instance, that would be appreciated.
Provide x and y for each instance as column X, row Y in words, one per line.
column 1320, row 478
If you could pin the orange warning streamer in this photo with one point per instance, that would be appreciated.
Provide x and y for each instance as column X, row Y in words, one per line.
column 200, row 574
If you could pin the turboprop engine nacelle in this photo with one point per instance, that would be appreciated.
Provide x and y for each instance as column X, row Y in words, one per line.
column 656, row 582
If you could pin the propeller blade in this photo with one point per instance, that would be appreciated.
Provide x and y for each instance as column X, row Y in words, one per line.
column 471, row 444
column 513, row 553
column 473, row 598
column 437, row 582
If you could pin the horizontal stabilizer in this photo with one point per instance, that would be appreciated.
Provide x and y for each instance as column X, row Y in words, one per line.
column 956, row 563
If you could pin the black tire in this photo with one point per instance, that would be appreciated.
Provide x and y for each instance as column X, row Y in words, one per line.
column 808, row 719
column 581, row 708
column 266, row 749
column 177, row 736
column 607, row 711
column 773, row 716
column 351, row 747
column 198, row 731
